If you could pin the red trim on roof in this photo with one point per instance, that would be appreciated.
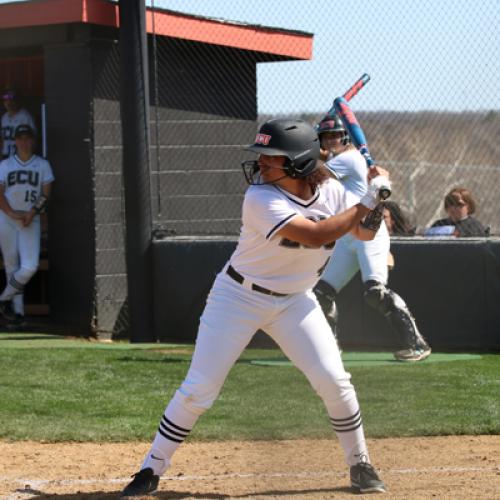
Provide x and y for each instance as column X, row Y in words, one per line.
column 268, row 40
column 232, row 35
column 40, row 12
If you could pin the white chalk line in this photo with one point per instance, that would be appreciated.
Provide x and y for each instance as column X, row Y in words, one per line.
column 37, row 483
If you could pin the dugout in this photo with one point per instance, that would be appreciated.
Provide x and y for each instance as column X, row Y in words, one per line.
column 64, row 54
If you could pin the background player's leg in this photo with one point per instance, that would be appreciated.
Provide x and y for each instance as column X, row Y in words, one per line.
column 28, row 241
column 305, row 337
column 29, row 252
column 18, row 304
column 343, row 265
column 9, row 245
column 372, row 256
column 230, row 319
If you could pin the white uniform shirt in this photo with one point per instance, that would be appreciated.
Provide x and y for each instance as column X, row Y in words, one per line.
column 270, row 261
column 350, row 168
column 9, row 125
column 23, row 181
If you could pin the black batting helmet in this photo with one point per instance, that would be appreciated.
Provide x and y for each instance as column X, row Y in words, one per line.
column 294, row 139
column 332, row 123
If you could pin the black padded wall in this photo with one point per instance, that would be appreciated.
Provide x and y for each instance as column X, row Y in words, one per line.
column 452, row 287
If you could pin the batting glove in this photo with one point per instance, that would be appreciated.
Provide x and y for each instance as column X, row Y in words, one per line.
column 372, row 196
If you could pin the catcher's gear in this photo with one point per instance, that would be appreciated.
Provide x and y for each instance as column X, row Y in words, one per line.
column 374, row 218
column 333, row 123
column 296, row 140
column 326, row 294
column 394, row 308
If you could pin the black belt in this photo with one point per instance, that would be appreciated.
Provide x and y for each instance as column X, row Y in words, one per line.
column 231, row 271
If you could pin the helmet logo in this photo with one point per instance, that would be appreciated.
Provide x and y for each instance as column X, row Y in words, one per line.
column 329, row 124
column 262, row 139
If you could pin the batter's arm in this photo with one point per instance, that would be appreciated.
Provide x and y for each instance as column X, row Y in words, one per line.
column 363, row 233
column 316, row 234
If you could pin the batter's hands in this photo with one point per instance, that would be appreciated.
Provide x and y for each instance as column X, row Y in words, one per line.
column 375, row 171
column 378, row 176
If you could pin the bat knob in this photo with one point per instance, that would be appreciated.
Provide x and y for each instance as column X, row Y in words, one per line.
column 384, row 193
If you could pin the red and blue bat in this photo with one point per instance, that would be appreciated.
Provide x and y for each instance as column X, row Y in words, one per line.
column 352, row 91
column 357, row 135
column 358, row 85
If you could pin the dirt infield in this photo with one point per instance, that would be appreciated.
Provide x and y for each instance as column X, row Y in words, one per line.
column 434, row 467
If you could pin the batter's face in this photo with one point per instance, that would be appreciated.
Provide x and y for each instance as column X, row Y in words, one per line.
column 271, row 168
column 333, row 142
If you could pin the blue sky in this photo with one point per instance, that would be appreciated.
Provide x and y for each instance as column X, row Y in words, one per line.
column 420, row 54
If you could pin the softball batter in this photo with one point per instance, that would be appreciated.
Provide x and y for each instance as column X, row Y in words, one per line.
column 25, row 183
column 369, row 257
column 292, row 214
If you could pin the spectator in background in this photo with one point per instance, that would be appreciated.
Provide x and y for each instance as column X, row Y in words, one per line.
column 459, row 206
column 14, row 116
column 396, row 221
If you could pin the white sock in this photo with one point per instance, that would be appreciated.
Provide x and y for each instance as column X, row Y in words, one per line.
column 18, row 303
column 175, row 426
column 12, row 288
column 347, row 423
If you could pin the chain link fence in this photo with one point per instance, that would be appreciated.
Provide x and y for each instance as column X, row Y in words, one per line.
column 431, row 111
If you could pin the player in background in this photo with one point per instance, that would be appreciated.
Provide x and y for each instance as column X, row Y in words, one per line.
column 25, row 184
column 370, row 257
column 11, row 119
column 292, row 214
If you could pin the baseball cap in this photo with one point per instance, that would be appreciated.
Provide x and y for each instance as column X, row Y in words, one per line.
column 9, row 95
column 24, row 130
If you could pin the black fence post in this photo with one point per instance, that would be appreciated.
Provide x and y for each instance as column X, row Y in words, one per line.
column 134, row 107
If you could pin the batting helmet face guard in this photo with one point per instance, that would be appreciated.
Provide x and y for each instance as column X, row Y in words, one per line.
column 296, row 140
column 332, row 123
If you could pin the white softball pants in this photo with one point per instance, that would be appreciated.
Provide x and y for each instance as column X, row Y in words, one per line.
column 297, row 324
column 21, row 253
column 351, row 255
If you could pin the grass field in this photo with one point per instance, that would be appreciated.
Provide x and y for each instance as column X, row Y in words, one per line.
column 55, row 389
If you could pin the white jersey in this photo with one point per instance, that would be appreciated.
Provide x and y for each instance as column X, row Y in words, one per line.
column 23, row 181
column 273, row 262
column 350, row 168
column 9, row 125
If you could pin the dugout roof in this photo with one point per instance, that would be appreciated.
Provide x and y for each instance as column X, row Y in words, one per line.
column 289, row 44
